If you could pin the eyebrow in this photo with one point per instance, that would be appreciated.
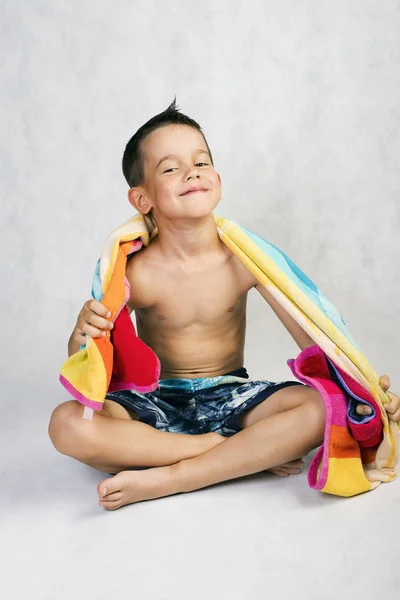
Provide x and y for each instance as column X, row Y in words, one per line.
column 172, row 155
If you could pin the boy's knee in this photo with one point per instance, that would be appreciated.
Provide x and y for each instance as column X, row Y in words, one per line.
column 66, row 425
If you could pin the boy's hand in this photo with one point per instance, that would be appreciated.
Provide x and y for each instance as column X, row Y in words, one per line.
column 392, row 408
column 93, row 321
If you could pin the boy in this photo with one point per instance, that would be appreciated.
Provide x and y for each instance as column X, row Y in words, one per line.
column 207, row 422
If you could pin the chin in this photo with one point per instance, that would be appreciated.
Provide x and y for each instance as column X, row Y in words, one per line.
column 201, row 211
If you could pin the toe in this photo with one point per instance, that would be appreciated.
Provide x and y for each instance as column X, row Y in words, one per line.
column 107, row 486
column 114, row 497
column 111, row 505
column 286, row 471
column 296, row 464
column 293, row 471
column 279, row 472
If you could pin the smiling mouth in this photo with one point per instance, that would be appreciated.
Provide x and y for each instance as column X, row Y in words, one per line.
column 194, row 192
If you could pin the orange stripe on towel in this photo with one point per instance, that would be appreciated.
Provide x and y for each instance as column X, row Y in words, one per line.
column 113, row 299
column 342, row 444
column 114, row 296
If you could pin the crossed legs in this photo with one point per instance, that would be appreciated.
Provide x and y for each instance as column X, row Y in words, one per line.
column 286, row 426
column 115, row 440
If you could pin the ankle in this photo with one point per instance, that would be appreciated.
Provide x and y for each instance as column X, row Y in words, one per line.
column 174, row 481
column 183, row 476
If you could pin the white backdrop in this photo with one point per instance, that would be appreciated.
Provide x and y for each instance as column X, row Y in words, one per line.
column 300, row 103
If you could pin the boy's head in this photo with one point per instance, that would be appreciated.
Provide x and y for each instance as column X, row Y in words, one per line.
column 156, row 185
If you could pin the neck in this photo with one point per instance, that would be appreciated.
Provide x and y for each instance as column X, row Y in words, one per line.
column 190, row 240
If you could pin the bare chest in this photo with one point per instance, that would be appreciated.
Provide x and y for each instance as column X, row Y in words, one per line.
column 205, row 296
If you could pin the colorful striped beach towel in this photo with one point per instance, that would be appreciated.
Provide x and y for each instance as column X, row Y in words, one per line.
column 358, row 452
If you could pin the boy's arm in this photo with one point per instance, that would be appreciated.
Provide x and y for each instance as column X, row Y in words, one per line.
column 298, row 334
column 303, row 340
column 140, row 297
column 142, row 294
column 73, row 345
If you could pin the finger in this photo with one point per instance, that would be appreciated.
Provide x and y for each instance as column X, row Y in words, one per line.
column 98, row 308
column 395, row 416
column 384, row 382
column 94, row 332
column 394, row 403
column 363, row 409
column 98, row 322
column 394, row 399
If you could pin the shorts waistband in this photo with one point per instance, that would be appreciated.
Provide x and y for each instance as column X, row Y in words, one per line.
column 191, row 385
column 242, row 372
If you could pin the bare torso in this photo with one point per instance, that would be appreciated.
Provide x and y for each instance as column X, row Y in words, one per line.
column 193, row 317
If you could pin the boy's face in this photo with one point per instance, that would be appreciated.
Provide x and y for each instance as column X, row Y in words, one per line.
column 166, row 181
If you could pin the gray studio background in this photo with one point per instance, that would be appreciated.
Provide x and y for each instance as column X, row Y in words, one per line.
column 300, row 104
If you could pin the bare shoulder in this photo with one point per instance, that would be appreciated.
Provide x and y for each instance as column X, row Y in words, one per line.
column 139, row 274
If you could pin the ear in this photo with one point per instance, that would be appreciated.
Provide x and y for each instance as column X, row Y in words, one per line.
column 138, row 200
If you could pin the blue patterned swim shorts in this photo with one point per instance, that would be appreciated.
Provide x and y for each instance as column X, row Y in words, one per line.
column 199, row 405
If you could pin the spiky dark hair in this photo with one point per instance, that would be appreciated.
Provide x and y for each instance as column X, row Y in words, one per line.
column 133, row 158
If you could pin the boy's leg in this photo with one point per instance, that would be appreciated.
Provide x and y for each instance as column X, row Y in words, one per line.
column 113, row 440
column 272, row 440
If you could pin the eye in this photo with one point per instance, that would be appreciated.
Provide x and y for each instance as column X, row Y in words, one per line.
column 170, row 169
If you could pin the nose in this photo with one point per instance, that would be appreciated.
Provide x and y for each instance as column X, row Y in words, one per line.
column 192, row 173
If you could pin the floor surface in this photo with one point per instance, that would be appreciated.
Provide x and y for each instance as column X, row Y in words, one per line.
column 252, row 538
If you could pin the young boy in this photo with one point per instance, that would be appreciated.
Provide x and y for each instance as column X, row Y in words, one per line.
column 207, row 422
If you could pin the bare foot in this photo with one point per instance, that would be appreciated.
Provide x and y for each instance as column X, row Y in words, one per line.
column 133, row 486
column 154, row 482
column 291, row 468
